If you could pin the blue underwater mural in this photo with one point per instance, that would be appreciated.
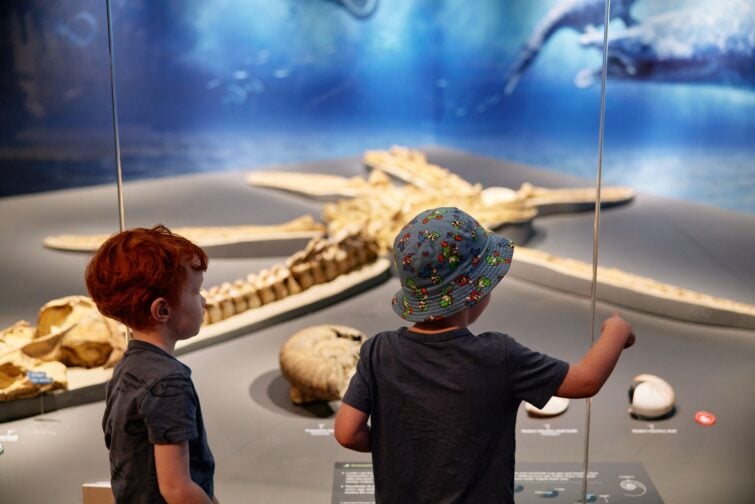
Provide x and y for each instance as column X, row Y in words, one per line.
column 579, row 15
column 213, row 85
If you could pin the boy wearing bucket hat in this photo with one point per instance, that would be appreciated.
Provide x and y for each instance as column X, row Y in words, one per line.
column 443, row 401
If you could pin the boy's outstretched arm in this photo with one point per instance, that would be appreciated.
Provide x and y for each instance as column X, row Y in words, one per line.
column 351, row 429
column 173, row 476
column 585, row 378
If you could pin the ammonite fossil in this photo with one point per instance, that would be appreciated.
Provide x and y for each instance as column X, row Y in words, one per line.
column 319, row 362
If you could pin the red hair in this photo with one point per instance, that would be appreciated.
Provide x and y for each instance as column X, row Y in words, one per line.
column 135, row 267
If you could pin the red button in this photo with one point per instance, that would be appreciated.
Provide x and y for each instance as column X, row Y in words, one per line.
column 705, row 418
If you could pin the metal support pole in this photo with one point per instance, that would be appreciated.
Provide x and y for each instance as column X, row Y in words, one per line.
column 596, row 232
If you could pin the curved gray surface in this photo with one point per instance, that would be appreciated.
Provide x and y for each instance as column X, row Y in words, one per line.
column 263, row 449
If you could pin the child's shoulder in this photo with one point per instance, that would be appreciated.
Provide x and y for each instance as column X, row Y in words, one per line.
column 495, row 340
column 380, row 338
column 495, row 336
column 150, row 365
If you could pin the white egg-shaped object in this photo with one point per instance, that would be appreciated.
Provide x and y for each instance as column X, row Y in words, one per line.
column 650, row 397
column 555, row 406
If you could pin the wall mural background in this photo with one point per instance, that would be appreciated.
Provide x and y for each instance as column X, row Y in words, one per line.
column 232, row 84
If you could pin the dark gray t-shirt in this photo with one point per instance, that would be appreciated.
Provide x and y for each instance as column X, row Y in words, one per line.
column 151, row 400
column 443, row 412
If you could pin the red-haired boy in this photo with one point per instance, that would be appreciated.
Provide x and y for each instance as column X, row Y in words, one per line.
column 150, row 280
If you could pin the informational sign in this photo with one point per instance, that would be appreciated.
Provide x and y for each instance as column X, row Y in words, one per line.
column 651, row 428
column 353, row 483
column 319, row 431
column 548, row 431
column 39, row 377
column 607, row 483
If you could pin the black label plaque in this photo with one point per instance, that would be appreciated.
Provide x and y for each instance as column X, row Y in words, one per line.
column 353, row 483
column 607, row 483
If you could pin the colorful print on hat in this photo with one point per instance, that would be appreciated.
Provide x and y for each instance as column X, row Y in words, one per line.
column 446, row 262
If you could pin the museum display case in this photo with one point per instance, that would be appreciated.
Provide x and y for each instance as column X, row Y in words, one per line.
column 292, row 139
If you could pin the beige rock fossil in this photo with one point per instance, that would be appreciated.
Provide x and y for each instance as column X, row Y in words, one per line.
column 15, row 382
column 319, row 362
column 16, row 366
column 16, row 337
column 69, row 330
column 86, row 337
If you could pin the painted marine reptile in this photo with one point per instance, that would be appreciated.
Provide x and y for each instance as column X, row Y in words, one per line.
column 711, row 46
column 578, row 15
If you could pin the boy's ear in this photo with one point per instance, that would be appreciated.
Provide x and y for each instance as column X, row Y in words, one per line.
column 160, row 310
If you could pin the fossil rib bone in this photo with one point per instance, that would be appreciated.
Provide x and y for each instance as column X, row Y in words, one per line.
column 204, row 236
column 633, row 291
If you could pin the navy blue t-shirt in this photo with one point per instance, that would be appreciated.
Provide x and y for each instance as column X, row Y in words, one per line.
column 151, row 400
column 443, row 412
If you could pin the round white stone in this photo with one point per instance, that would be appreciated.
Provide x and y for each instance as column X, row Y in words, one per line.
column 653, row 397
column 555, row 406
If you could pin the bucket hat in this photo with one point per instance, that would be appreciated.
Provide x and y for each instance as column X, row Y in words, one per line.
column 446, row 261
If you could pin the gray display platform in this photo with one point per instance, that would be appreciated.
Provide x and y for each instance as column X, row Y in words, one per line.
column 268, row 450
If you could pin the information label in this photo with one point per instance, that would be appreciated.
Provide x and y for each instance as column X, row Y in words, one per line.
column 548, row 431
column 319, row 431
column 607, row 483
column 353, row 483
column 39, row 377
column 652, row 429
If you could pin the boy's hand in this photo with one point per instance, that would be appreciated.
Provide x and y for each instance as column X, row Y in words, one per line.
column 586, row 377
column 616, row 324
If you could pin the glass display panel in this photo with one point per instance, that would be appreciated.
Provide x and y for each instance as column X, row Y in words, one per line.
column 199, row 91
column 678, row 130
column 310, row 89
column 56, row 139
column 57, row 119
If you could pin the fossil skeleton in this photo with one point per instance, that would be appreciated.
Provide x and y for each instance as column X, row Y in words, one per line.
column 321, row 261
column 71, row 332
